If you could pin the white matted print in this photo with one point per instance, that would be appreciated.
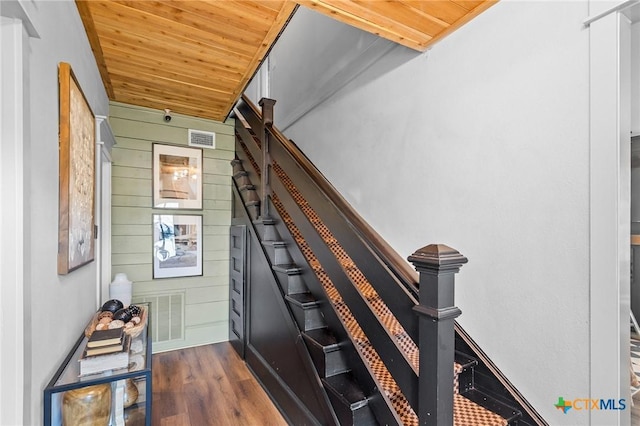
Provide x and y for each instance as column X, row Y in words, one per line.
column 177, row 177
column 177, row 245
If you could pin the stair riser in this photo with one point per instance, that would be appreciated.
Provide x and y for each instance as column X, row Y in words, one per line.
column 307, row 318
column 267, row 232
column 242, row 180
column 328, row 363
column 254, row 210
column 249, row 194
column 328, row 359
column 361, row 416
column 278, row 255
column 291, row 284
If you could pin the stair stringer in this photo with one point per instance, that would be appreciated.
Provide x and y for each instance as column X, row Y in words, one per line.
column 280, row 390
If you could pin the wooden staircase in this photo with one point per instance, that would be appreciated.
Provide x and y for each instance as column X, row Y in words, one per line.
column 315, row 271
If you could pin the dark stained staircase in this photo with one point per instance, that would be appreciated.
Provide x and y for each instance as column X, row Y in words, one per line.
column 355, row 312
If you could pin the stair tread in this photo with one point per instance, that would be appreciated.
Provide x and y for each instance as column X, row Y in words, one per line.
column 289, row 269
column 323, row 338
column 343, row 386
column 265, row 221
column 464, row 360
column 278, row 243
column 306, row 300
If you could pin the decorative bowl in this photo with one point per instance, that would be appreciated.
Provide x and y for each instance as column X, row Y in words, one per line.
column 131, row 331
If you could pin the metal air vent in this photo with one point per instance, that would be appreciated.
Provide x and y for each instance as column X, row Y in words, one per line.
column 167, row 315
column 202, row 139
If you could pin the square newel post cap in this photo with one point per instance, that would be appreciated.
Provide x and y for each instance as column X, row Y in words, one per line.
column 267, row 110
column 437, row 257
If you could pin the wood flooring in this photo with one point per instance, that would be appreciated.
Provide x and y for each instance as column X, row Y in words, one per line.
column 208, row 385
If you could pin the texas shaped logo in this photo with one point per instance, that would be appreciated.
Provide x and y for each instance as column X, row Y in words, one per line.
column 563, row 405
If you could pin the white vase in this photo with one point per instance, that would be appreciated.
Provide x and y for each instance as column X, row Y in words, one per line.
column 120, row 288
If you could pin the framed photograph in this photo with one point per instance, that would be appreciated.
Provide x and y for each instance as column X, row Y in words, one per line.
column 177, row 245
column 77, row 135
column 177, row 177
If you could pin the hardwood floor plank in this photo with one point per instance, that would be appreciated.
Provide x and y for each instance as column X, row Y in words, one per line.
column 169, row 404
column 228, row 400
column 230, row 358
column 177, row 420
column 192, row 368
column 208, row 385
column 251, row 401
column 204, row 410
column 167, row 370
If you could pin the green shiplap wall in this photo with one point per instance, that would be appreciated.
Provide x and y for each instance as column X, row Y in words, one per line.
column 205, row 299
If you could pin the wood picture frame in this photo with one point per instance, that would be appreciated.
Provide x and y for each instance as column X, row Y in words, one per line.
column 177, row 177
column 77, row 138
column 177, row 245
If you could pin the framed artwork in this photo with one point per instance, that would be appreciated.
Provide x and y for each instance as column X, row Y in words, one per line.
column 177, row 245
column 77, row 136
column 177, row 177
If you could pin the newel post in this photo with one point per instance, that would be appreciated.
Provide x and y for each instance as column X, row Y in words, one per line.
column 437, row 265
column 267, row 121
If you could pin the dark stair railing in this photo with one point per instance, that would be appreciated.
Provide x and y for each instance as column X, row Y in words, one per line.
column 347, row 241
column 437, row 265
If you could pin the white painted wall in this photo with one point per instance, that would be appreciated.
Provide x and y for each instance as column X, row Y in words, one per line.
column 328, row 64
column 482, row 144
column 56, row 308
column 12, row 108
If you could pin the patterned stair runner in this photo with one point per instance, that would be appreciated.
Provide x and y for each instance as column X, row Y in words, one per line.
column 381, row 374
column 466, row 412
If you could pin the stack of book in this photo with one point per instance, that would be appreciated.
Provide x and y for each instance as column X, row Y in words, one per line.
column 105, row 350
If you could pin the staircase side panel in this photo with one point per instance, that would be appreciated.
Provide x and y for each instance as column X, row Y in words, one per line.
column 274, row 348
column 238, row 254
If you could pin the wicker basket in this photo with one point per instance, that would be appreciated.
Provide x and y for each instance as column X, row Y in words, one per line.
column 132, row 331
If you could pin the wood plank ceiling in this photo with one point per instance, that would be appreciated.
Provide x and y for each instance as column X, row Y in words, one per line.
column 197, row 57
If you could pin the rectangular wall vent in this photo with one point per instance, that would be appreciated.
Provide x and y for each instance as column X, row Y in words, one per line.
column 202, row 139
column 167, row 316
